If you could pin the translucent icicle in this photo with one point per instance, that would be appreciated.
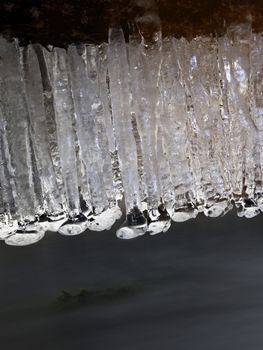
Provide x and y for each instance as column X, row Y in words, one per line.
column 99, row 115
column 13, row 104
column 174, row 125
column 234, row 65
column 39, row 131
column 46, row 71
column 8, row 189
column 135, row 223
column 64, row 116
column 119, row 90
column 86, row 128
column 145, row 61
column 256, row 60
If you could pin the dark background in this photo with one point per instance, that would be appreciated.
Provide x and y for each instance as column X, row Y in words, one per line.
column 61, row 22
column 198, row 286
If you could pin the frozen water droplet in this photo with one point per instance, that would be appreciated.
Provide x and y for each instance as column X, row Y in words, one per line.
column 135, row 225
column 218, row 209
column 126, row 232
column 251, row 212
column 74, row 226
column 159, row 226
column 30, row 234
column 105, row 220
column 159, row 221
column 52, row 223
column 44, row 223
column 247, row 209
column 182, row 214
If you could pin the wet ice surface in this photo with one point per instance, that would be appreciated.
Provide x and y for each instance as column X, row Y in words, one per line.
column 155, row 122
column 198, row 286
column 24, row 238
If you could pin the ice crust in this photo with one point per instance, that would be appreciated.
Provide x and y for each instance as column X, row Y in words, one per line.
column 174, row 127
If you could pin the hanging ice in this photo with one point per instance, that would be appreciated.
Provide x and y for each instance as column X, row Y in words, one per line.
column 173, row 126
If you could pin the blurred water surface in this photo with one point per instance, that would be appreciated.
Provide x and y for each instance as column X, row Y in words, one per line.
column 199, row 286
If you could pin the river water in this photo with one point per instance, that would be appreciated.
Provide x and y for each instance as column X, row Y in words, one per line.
column 198, row 286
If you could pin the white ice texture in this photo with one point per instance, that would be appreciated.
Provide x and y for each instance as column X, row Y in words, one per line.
column 174, row 127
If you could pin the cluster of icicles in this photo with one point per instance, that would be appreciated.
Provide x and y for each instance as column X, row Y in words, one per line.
column 173, row 127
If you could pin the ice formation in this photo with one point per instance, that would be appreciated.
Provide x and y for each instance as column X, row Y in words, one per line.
column 174, row 127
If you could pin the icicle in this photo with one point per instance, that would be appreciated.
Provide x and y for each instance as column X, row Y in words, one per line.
column 145, row 62
column 86, row 130
column 66, row 142
column 172, row 126
column 256, row 61
column 64, row 115
column 39, row 132
column 46, row 71
column 119, row 89
column 16, row 137
column 175, row 138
